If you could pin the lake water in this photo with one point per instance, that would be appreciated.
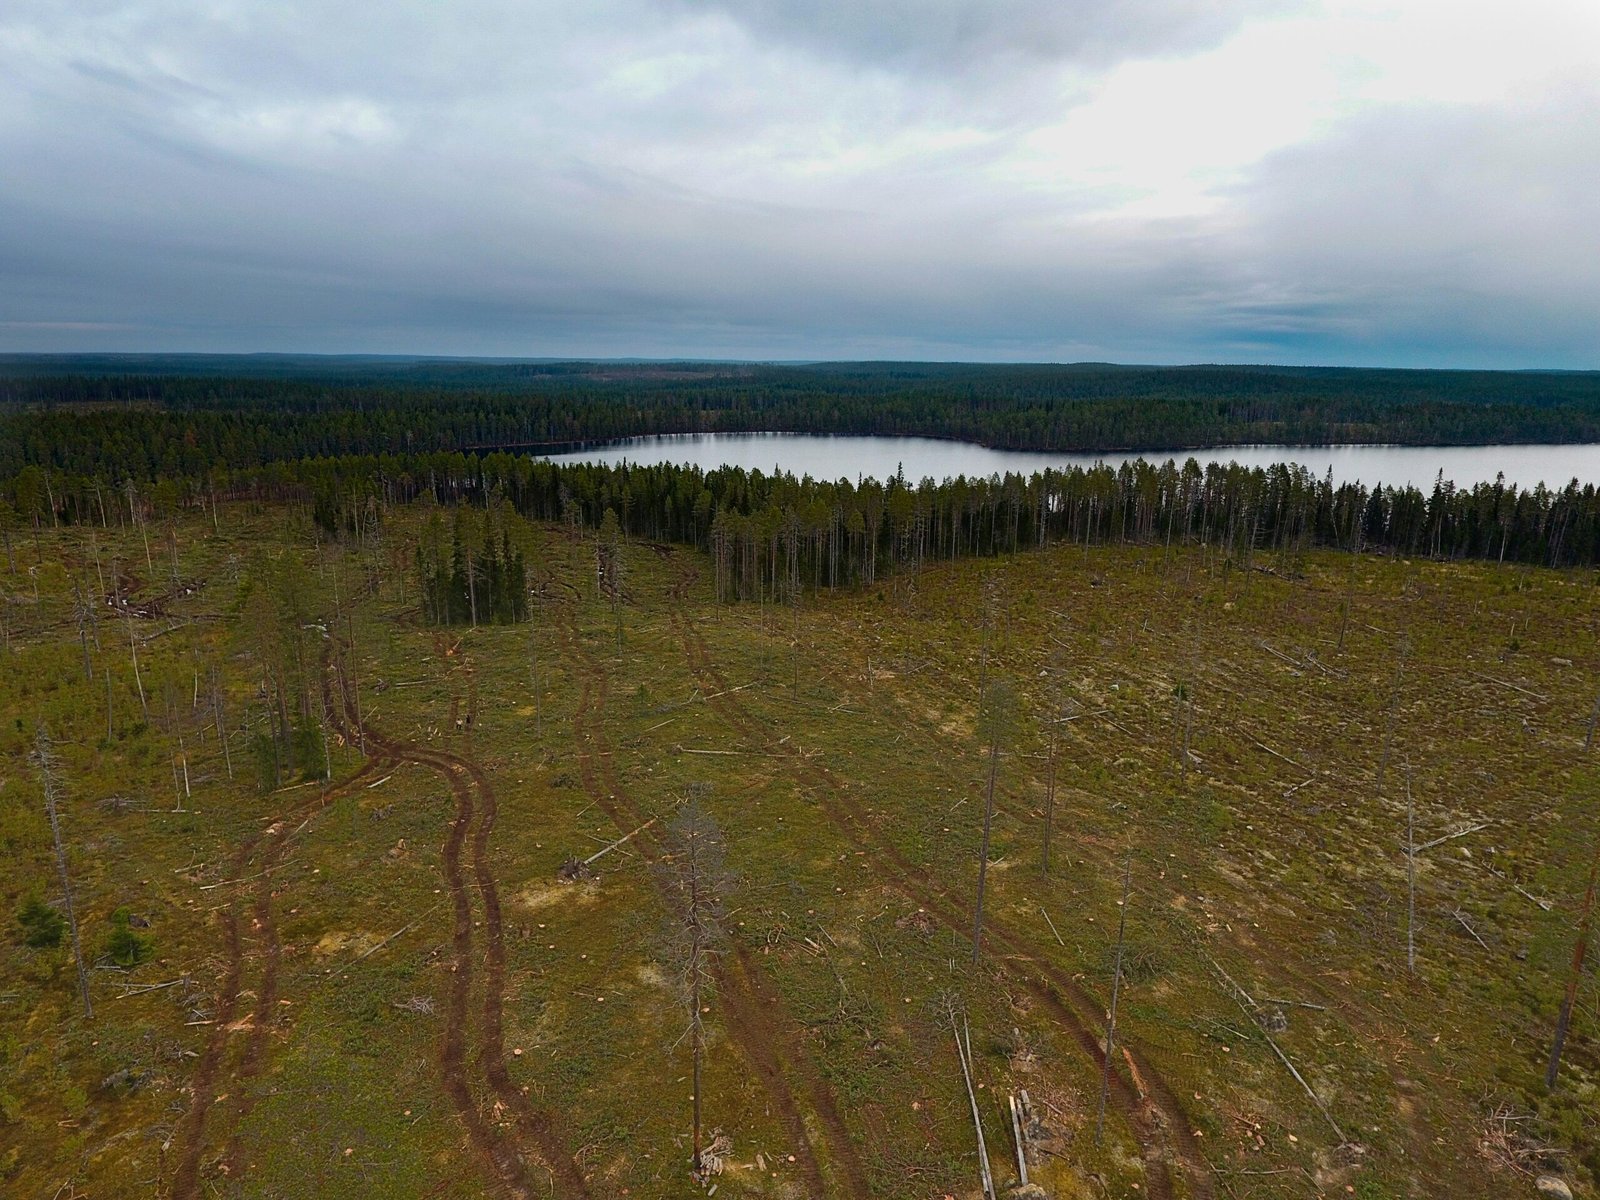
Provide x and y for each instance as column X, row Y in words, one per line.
column 847, row 457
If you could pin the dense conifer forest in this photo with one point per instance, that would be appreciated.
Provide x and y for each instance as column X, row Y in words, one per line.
column 110, row 440
column 188, row 415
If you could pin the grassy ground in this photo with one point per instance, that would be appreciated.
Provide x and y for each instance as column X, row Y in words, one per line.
column 377, row 986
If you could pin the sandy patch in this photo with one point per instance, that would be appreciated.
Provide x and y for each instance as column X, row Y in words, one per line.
column 543, row 895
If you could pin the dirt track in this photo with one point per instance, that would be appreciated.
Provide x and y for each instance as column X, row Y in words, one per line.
column 271, row 844
column 476, row 809
column 1164, row 1132
column 766, row 1035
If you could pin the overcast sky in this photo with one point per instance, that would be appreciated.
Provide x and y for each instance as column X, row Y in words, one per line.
column 1409, row 182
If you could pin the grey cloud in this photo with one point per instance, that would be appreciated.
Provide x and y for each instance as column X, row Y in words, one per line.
column 627, row 177
column 1463, row 232
column 960, row 35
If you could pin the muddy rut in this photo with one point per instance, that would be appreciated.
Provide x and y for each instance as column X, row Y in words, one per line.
column 1156, row 1117
column 216, row 1068
column 752, row 1009
column 476, row 810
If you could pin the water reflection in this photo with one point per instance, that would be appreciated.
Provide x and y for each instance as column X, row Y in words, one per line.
column 836, row 457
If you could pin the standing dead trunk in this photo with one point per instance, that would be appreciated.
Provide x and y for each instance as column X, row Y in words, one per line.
column 221, row 719
column 44, row 758
column 983, row 651
column 1594, row 719
column 983, row 855
column 1580, row 951
column 1394, row 704
column 695, row 880
column 964, row 1052
column 1050, row 792
column 81, row 611
column 133, row 647
column 697, row 1024
column 148, row 561
column 94, row 545
column 1116, row 988
column 1411, row 878
column 355, row 683
column 533, row 680
column 1188, row 731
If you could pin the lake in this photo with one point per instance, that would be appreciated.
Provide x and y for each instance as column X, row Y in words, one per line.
column 841, row 456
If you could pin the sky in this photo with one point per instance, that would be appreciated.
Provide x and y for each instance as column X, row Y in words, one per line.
column 1379, row 182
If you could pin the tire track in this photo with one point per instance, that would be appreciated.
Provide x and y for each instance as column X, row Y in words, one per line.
column 264, row 1015
column 1164, row 1133
column 205, row 1085
column 476, row 811
column 753, row 1009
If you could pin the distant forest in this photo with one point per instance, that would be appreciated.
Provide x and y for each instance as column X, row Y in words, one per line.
column 187, row 416
column 108, row 439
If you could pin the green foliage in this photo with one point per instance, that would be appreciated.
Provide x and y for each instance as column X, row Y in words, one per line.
column 22, row 827
column 42, row 927
column 124, row 945
column 281, row 757
column 997, row 722
column 480, row 584
column 370, row 437
column 1203, row 812
column 188, row 419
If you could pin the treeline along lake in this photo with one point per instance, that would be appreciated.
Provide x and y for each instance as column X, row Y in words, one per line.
column 117, row 447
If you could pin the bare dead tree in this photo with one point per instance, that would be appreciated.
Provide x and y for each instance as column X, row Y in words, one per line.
column 1394, row 704
column 1050, row 791
column 133, row 647
column 183, row 760
column 1184, row 757
column 533, row 679
column 794, row 640
column 80, row 610
column 355, row 681
column 220, row 717
column 964, row 1052
column 136, row 514
column 1411, row 878
column 609, row 568
column 1580, row 951
column 996, row 715
column 94, row 547
column 323, row 724
column 172, row 546
column 983, row 648
column 696, row 879
column 45, row 759
column 1594, row 719
column 1116, row 988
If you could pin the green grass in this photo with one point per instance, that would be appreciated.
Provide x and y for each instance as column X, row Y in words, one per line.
column 1272, row 858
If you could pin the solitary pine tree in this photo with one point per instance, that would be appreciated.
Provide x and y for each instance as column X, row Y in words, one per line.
column 696, row 880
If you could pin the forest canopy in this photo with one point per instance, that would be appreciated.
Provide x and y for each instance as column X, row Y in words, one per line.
column 172, row 416
column 108, row 440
